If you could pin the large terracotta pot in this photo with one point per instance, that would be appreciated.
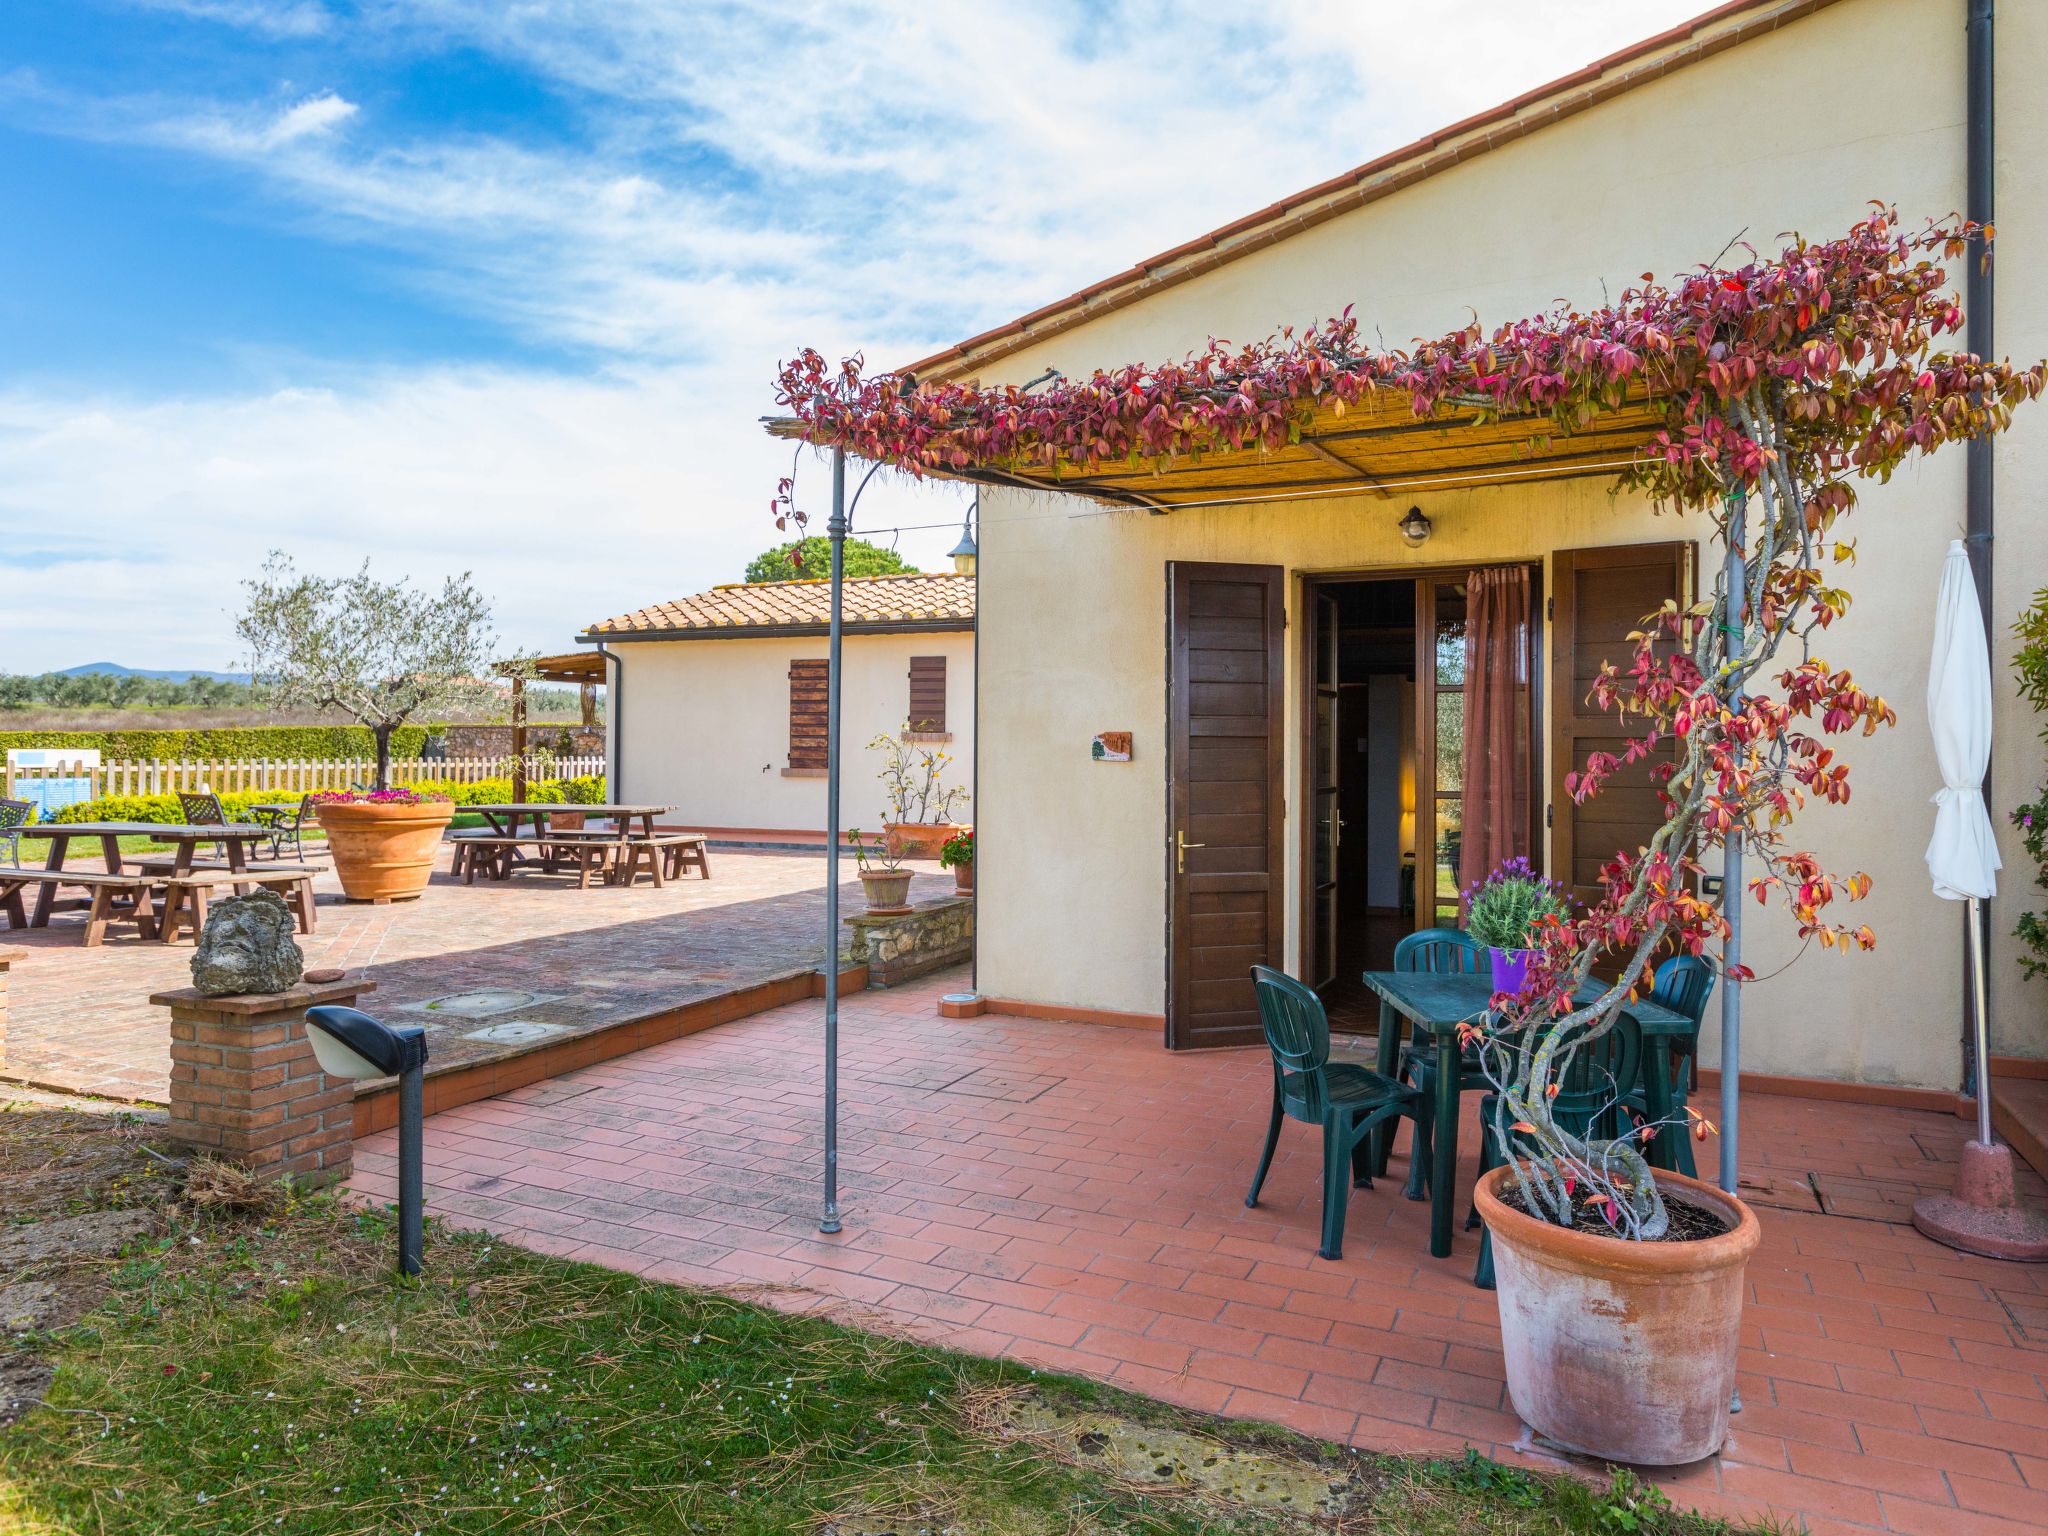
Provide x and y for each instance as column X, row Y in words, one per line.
column 1615, row 1349
column 384, row 851
column 919, row 839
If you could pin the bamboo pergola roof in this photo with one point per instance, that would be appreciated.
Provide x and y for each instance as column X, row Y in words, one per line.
column 1375, row 447
column 573, row 667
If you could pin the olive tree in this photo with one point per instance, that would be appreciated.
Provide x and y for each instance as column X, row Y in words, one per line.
column 382, row 653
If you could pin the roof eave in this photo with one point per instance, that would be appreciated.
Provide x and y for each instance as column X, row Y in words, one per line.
column 1687, row 43
column 778, row 631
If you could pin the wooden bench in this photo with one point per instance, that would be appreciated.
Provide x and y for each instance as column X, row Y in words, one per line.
column 492, row 856
column 666, row 857
column 185, row 895
column 100, row 911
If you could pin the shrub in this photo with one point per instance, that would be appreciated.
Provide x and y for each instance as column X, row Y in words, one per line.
column 164, row 809
column 1506, row 910
column 319, row 743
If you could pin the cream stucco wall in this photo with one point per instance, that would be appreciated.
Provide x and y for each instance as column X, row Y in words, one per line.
column 1796, row 131
column 707, row 726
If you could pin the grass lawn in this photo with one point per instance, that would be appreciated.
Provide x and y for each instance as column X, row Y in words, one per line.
column 256, row 1368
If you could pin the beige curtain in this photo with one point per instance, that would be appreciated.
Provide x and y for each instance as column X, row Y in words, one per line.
column 1496, row 719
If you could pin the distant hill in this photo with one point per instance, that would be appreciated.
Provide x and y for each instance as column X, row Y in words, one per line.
column 115, row 669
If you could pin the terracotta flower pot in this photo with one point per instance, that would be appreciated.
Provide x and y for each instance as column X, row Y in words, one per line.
column 1616, row 1349
column 888, row 890
column 384, row 851
column 963, row 878
column 919, row 839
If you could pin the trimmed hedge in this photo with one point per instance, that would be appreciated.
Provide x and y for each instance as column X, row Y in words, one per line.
column 320, row 743
column 163, row 809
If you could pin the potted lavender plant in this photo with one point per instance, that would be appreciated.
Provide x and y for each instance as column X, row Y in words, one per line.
column 1505, row 911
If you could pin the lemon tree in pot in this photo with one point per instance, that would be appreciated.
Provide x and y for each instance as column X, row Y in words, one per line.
column 1621, row 1284
column 918, row 820
column 383, row 653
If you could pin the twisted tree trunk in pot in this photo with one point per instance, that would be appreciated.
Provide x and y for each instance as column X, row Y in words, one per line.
column 1618, row 1349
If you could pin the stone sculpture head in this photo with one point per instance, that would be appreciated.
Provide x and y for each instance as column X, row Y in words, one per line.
column 247, row 947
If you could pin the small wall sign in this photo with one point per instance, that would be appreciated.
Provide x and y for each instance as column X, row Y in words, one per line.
column 1111, row 747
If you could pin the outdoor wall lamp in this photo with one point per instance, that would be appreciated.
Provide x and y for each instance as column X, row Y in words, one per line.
column 351, row 1044
column 1415, row 528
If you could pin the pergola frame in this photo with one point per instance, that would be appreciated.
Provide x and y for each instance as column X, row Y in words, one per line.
column 583, row 668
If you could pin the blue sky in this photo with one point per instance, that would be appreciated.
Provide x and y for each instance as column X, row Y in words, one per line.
column 469, row 284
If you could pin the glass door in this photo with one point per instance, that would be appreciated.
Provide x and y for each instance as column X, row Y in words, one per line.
column 1439, row 750
column 1328, row 821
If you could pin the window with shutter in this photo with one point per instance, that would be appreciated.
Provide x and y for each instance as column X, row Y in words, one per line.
column 927, row 715
column 807, row 734
column 1601, row 596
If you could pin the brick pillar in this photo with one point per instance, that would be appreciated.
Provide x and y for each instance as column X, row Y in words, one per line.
column 245, row 1086
column 8, row 956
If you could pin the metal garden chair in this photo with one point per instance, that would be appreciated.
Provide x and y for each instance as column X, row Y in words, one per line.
column 1602, row 1076
column 202, row 808
column 14, row 815
column 1347, row 1101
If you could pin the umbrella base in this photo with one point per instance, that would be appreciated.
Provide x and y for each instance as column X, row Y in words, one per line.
column 1983, row 1214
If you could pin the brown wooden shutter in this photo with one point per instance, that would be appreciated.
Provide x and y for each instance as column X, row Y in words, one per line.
column 807, row 735
column 1225, row 665
column 1601, row 596
column 928, row 694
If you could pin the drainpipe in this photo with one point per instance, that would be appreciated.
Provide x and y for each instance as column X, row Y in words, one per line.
column 615, row 767
column 1980, row 175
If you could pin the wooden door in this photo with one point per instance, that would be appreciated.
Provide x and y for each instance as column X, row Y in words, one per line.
column 1599, row 598
column 1225, row 633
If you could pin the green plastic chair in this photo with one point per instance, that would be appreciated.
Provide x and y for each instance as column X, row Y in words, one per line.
column 1347, row 1101
column 1682, row 984
column 1440, row 952
column 1602, row 1074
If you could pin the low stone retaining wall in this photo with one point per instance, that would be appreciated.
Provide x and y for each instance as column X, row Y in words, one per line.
column 931, row 935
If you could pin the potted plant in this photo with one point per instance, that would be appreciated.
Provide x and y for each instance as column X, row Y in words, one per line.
column 1621, row 1285
column 1505, row 911
column 919, row 817
column 883, row 879
column 957, row 854
column 383, row 840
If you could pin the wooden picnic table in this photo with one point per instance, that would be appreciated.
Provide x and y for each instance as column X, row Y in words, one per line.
column 505, row 819
column 1435, row 1004
column 235, row 838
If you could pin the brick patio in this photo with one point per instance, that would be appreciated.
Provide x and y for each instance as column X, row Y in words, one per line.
column 80, row 1019
column 1072, row 1196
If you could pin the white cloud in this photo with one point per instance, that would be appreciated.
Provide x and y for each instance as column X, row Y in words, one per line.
column 271, row 18
column 746, row 177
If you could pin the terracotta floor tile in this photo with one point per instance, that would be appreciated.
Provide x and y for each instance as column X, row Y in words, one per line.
column 1139, row 1263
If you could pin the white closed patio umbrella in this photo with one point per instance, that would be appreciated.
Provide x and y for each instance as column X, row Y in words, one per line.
column 1983, row 1214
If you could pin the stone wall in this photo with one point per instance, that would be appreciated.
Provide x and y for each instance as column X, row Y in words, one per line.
column 931, row 935
column 496, row 740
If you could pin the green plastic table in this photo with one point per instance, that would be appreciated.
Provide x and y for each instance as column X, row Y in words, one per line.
column 1436, row 1004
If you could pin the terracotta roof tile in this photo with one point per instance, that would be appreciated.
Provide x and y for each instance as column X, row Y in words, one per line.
column 942, row 600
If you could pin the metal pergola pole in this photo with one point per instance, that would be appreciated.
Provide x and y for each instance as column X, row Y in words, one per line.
column 836, row 531
column 1733, row 623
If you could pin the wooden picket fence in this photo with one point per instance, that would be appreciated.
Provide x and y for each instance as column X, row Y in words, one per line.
column 292, row 774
